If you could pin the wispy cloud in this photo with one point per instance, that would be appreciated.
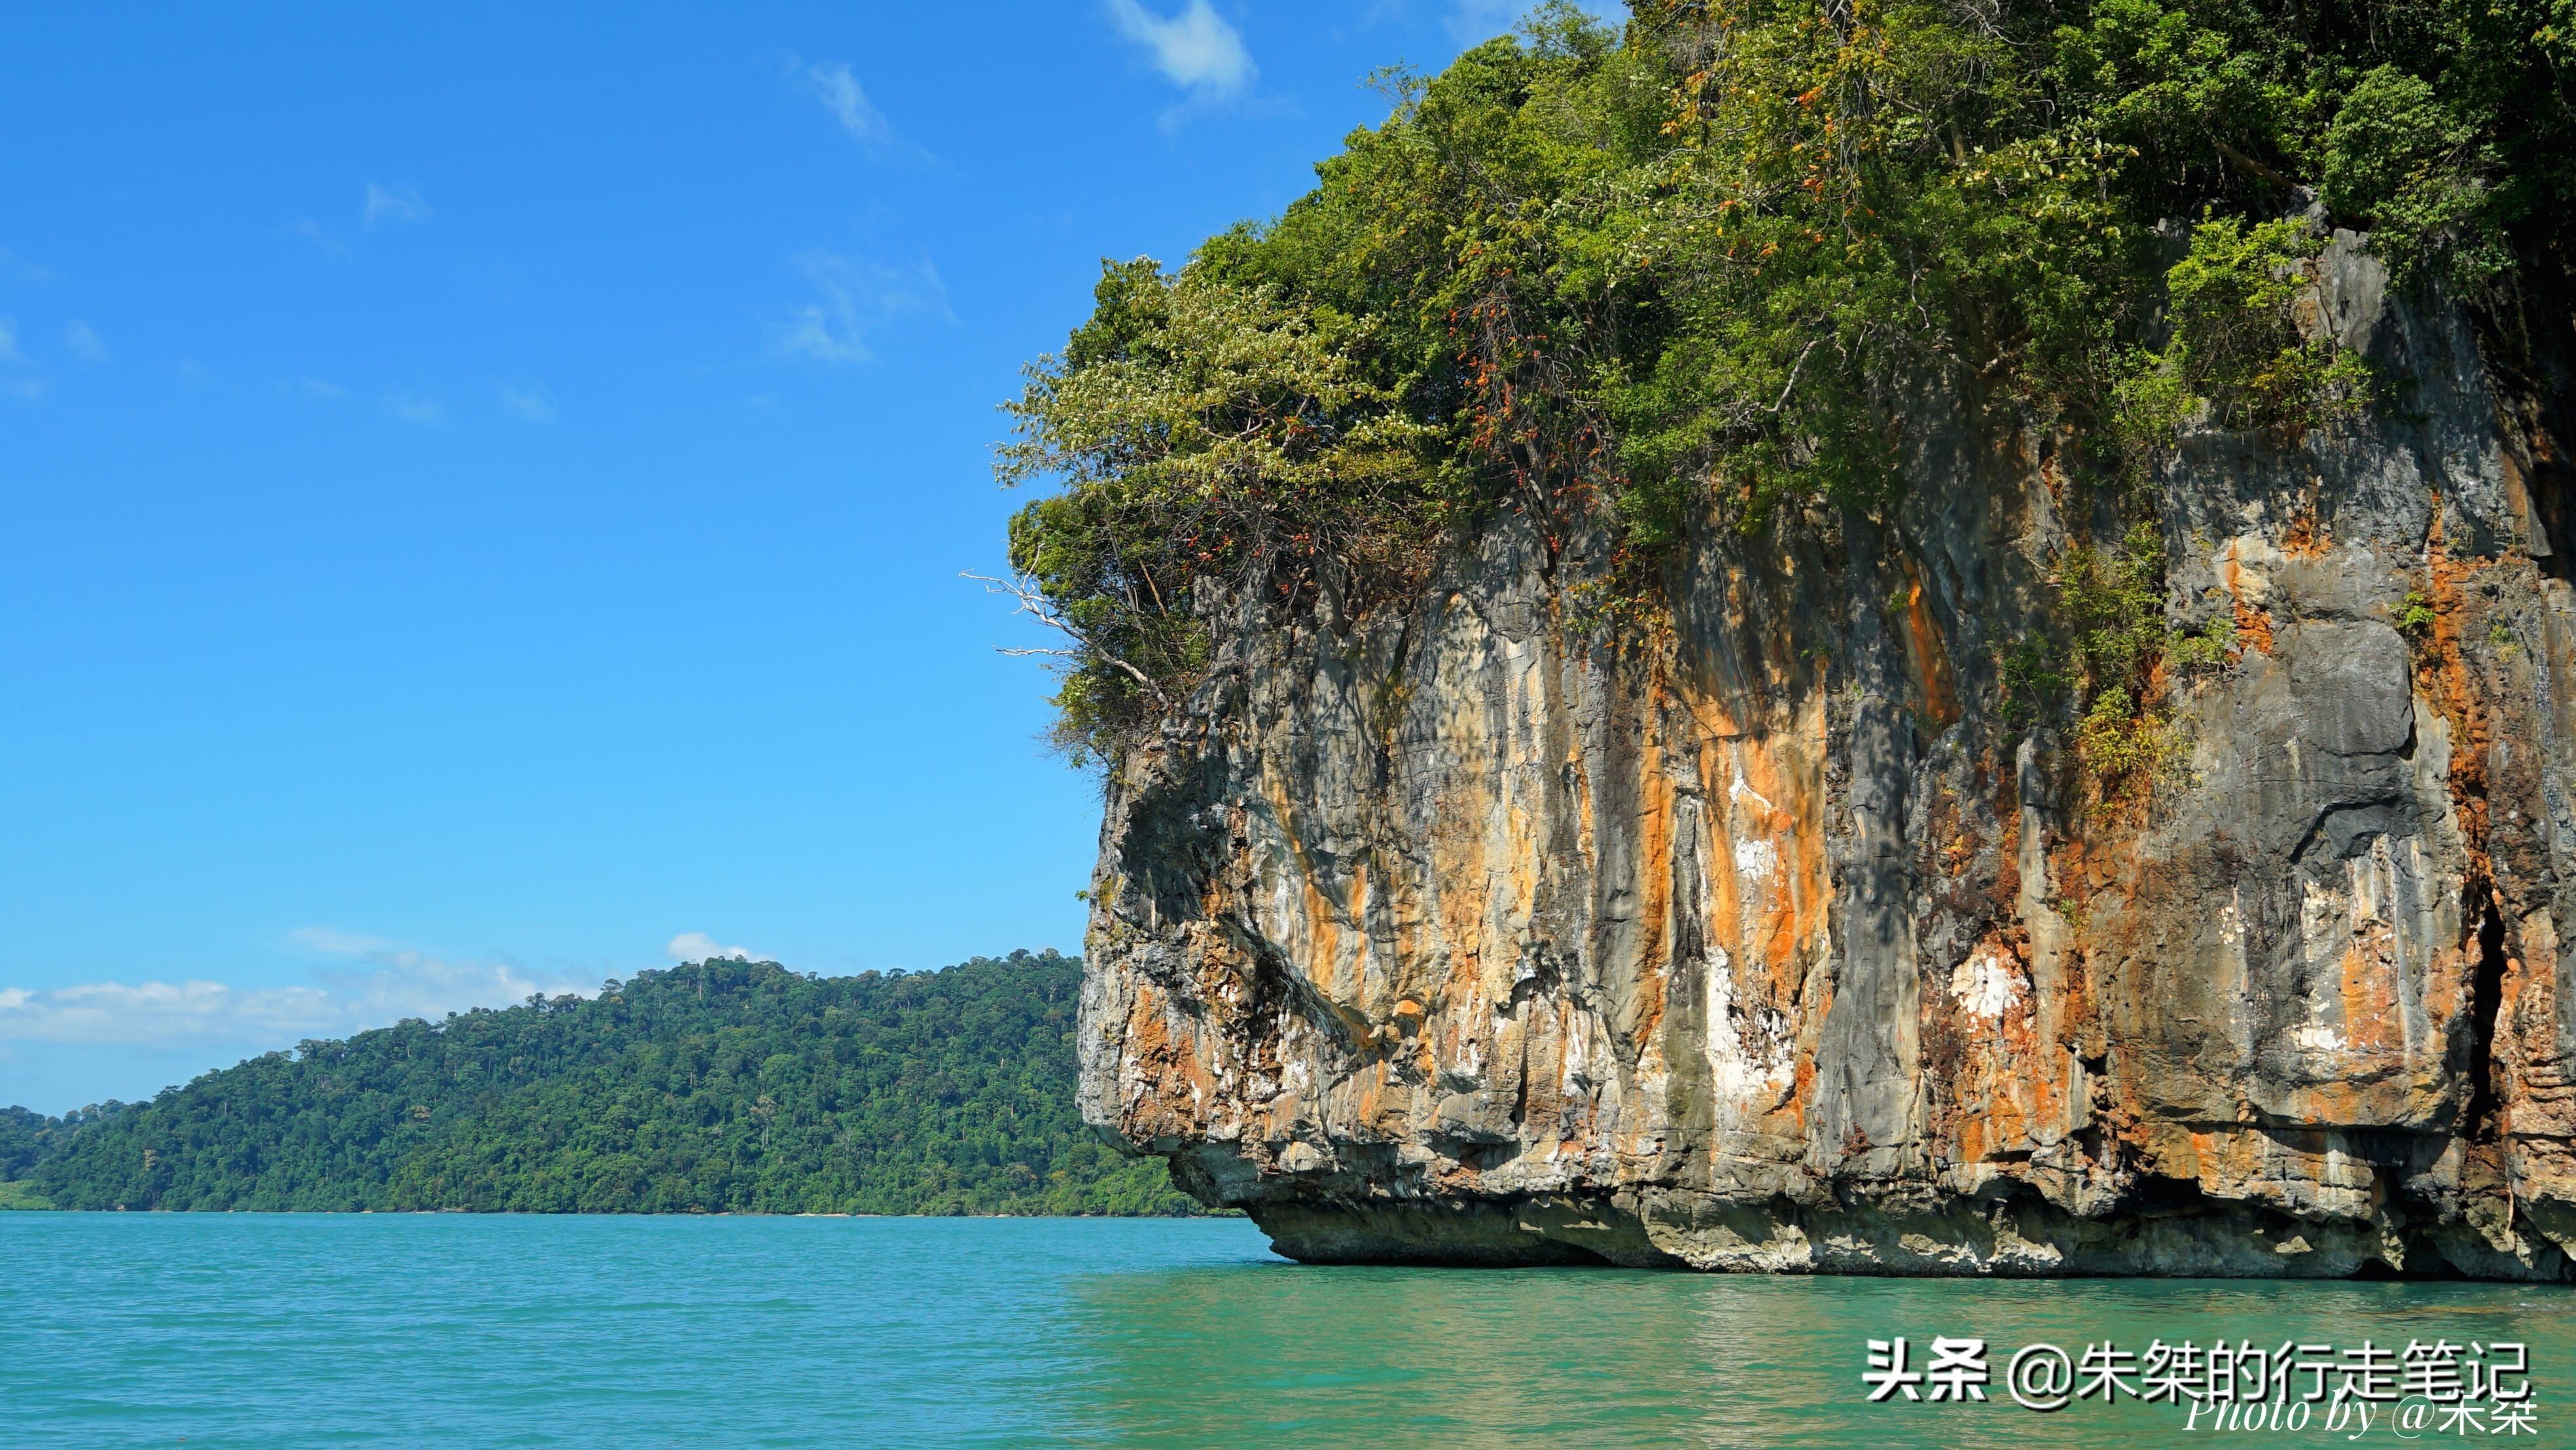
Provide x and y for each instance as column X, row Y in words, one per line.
column 16, row 379
column 855, row 296
column 1472, row 21
column 528, row 405
column 311, row 231
column 323, row 388
column 394, row 203
column 18, row 269
column 386, row 985
column 412, row 409
column 697, row 946
column 842, row 95
column 84, row 342
column 1196, row 49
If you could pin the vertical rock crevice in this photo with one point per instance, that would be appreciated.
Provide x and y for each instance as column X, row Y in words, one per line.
column 2486, row 999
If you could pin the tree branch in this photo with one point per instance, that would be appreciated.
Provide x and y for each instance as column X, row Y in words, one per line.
column 2250, row 164
column 1034, row 604
column 1793, row 376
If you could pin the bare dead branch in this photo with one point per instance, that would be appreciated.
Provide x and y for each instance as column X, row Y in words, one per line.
column 1034, row 604
column 1783, row 400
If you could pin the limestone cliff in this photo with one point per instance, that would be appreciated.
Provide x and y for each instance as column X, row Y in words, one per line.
column 1469, row 930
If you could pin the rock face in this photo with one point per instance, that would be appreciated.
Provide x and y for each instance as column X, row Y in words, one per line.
column 1467, row 931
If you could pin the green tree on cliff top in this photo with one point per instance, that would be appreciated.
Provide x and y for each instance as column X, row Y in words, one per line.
column 1703, row 270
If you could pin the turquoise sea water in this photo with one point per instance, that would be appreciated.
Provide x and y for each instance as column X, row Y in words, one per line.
column 278, row 1330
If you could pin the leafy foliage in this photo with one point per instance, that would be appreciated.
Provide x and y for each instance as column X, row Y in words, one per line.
column 21, row 1196
column 1204, row 426
column 716, row 1087
column 2113, row 604
column 27, row 1138
column 2110, row 603
column 2414, row 614
column 2422, row 170
column 1705, row 271
column 2235, row 346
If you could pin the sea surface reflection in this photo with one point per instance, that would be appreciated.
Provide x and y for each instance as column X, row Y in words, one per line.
column 277, row 1330
column 1274, row 1354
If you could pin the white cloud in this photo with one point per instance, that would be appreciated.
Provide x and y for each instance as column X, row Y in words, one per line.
column 398, row 984
column 19, row 269
column 857, row 295
column 85, row 342
column 113, row 1012
column 424, row 411
column 840, row 93
column 323, row 389
column 9, row 341
column 396, row 203
column 394, row 985
column 697, row 946
column 1195, row 50
column 528, row 405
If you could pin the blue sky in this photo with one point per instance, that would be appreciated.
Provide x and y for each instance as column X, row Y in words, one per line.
column 485, row 489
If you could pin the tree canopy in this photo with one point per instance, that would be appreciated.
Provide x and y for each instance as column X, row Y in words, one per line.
column 1699, row 271
column 719, row 1086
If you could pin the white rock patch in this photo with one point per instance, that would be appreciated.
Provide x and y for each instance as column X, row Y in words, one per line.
column 1755, row 860
column 1985, row 985
column 2317, row 1037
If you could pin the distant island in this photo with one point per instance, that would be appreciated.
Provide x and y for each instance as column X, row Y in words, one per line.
column 713, row 1087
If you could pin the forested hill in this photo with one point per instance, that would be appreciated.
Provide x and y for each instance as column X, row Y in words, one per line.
column 719, row 1086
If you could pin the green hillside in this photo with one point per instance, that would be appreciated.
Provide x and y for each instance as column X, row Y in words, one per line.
column 714, row 1087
